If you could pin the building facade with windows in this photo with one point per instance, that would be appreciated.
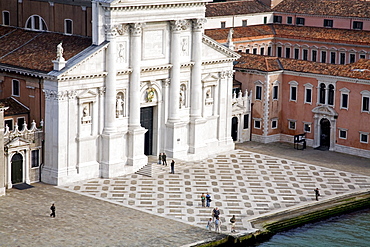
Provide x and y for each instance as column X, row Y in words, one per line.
column 326, row 102
column 315, row 44
column 341, row 14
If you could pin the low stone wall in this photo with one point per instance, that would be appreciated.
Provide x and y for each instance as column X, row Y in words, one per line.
column 273, row 223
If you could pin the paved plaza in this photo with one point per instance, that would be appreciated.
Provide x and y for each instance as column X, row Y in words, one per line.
column 156, row 208
column 241, row 183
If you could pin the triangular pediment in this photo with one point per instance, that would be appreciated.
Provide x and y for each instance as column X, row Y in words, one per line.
column 325, row 110
column 210, row 77
column 87, row 94
column 17, row 142
column 212, row 50
column 237, row 108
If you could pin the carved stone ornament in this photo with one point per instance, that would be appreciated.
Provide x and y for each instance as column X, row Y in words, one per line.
column 198, row 23
column 137, row 28
column 150, row 92
column 179, row 25
column 110, row 30
column 122, row 29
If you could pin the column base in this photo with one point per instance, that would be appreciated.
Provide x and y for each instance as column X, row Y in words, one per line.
column 136, row 158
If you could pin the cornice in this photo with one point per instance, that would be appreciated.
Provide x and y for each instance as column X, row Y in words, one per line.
column 156, row 68
column 26, row 72
column 82, row 77
column 143, row 7
column 225, row 60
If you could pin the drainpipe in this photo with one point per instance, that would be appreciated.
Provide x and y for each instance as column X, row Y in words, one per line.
column 251, row 121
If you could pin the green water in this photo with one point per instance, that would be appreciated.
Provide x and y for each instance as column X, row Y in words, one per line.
column 351, row 230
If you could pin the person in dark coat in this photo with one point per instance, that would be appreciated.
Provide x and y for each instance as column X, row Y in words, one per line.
column 173, row 167
column 52, row 208
column 317, row 193
column 164, row 159
column 160, row 158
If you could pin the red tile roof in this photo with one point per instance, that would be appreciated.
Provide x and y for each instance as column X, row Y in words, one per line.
column 36, row 50
column 15, row 107
column 360, row 69
column 325, row 7
column 293, row 32
column 235, row 8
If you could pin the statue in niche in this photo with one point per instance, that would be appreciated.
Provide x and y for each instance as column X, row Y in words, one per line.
column 119, row 106
column 150, row 94
column 184, row 46
column 85, row 111
column 182, row 96
column 208, row 94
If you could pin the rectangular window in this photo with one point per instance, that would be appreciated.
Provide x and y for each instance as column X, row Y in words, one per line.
column 314, row 56
column 365, row 104
column 328, row 23
column 258, row 92
column 244, row 23
column 358, row 25
column 287, row 52
column 247, row 51
column 362, row 56
column 275, row 92
column 343, row 134
column 269, row 51
column 6, row 18
column 308, row 98
column 291, row 125
column 352, row 58
column 305, row 54
column 246, row 121
column 332, row 57
column 15, row 89
column 296, row 53
column 307, row 128
column 274, row 124
column 265, row 20
column 35, row 158
column 293, row 93
column 20, row 122
column 254, row 51
column 342, row 58
column 68, row 26
column 262, row 51
column 257, row 124
column 223, row 24
column 9, row 122
column 289, row 20
column 279, row 51
column 323, row 56
column 344, row 101
column 300, row 21
column 278, row 19
column 364, row 138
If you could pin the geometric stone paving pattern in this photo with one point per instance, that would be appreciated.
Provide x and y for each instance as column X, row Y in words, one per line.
column 241, row 183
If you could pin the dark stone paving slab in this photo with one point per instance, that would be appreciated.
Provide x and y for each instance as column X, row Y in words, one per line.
column 85, row 221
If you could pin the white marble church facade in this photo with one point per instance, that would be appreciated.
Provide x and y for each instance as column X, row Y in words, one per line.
column 151, row 82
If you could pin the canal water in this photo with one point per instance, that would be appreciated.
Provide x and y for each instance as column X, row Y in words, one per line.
column 350, row 230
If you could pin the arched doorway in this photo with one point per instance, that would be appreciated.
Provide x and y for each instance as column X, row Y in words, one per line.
column 324, row 133
column 17, row 168
column 234, row 128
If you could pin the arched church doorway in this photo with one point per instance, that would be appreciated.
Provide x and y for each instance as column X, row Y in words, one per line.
column 146, row 121
column 324, row 133
column 234, row 128
column 17, row 168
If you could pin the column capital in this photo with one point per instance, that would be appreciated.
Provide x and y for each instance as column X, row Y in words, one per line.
column 179, row 25
column 166, row 82
column 137, row 28
column 198, row 23
column 110, row 31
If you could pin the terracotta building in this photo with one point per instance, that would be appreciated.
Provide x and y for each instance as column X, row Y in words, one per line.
column 328, row 103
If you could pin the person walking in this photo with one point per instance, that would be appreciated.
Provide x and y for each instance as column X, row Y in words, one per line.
column 203, row 200
column 173, row 167
column 208, row 200
column 215, row 213
column 52, row 208
column 317, row 193
column 218, row 225
column 160, row 158
column 233, row 220
column 164, row 159
column 209, row 224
